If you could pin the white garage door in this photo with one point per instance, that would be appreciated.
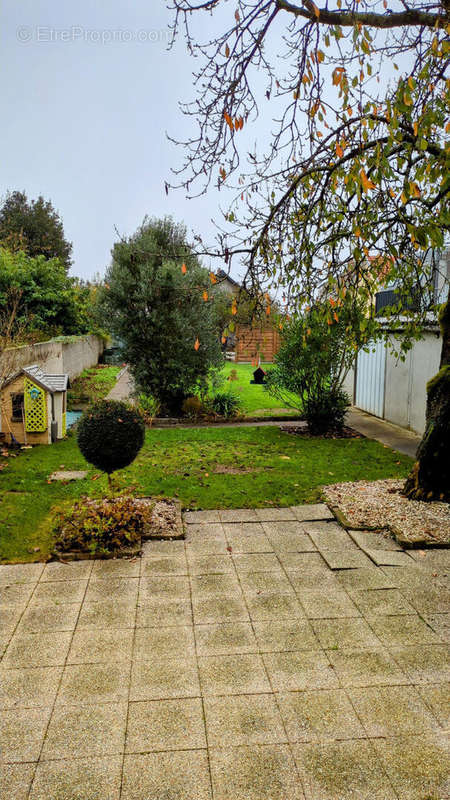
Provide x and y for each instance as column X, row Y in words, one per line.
column 370, row 379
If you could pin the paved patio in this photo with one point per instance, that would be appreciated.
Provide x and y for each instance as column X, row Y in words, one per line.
column 268, row 657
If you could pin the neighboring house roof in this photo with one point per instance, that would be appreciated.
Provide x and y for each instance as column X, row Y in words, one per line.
column 222, row 276
column 51, row 383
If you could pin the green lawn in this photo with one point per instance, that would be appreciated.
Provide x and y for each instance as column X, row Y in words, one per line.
column 93, row 384
column 255, row 400
column 190, row 464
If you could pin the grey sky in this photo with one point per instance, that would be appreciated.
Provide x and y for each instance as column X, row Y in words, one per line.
column 84, row 122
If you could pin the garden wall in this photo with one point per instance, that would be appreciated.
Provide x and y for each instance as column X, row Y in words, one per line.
column 70, row 354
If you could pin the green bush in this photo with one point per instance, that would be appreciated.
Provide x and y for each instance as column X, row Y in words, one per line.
column 148, row 406
column 226, row 404
column 326, row 412
column 100, row 526
column 110, row 435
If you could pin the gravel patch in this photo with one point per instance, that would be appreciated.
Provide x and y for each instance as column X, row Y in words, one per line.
column 380, row 505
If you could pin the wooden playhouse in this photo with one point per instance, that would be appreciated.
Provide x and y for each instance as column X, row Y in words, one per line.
column 33, row 406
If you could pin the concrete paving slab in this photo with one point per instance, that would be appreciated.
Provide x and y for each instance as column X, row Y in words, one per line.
column 116, row 568
column 88, row 730
column 225, row 639
column 157, row 612
column 310, row 513
column 334, row 539
column 15, row 781
column 437, row 698
column 22, row 732
column 173, row 587
column 255, row 773
column 234, row 529
column 88, row 684
column 429, row 599
column 37, row 649
column 374, row 540
column 164, row 678
column 440, row 623
column 333, row 603
column 122, row 589
column 256, row 583
column 289, row 542
column 172, row 776
column 30, row 688
column 384, row 602
column 322, row 715
column 403, row 631
column 108, row 613
column 346, row 559
column 299, row 671
column 209, row 563
column 151, row 643
column 213, row 585
column 165, row 725
column 105, row 646
column 72, row 779
column 15, row 594
column 342, row 771
column 243, row 720
column 158, row 565
column 341, row 634
column 255, row 562
column 238, row 515
column 387, row 711
column 417, row 766
column 304, row 562
column 366, row 578
column 366, row 668
column 259, row 543
column 67, row 571
column 212, row 610
column 20, row 573
column 389, row 557
column 233, row 674
column 286, row 635
column 275, row 514
column 201, row 517
column 274, row 607
column 58, row 592
column 45, row 618
column 426, row 664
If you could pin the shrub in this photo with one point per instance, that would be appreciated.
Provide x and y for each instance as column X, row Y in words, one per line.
column 192, row 408
column 100, row 526
column 226, row 404
column 110, row 435
column 148, row 406
column 326, row 412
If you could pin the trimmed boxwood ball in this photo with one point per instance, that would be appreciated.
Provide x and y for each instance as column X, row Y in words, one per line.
column 110, row 435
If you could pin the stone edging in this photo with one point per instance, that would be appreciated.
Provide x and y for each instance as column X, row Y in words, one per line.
column 407, row 544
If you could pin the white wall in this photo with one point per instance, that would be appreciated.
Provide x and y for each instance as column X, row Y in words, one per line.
column 70, row 357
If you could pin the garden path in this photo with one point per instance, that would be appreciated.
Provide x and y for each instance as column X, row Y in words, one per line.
column 266, row 656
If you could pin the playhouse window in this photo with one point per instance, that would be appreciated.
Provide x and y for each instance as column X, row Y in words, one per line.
column 17, row 407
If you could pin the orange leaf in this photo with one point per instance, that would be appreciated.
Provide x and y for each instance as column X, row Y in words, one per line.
column 228, row 120
column 339, row 150
column 227, row 51
column 234, row 308
column 336, row 317
column 236, row 16
column 197, row 344
column 316, row 11
column 332, row 303
column 212, row 277
column 366, row 182
column 268, row 310
column 205, row 296
column 184, row 269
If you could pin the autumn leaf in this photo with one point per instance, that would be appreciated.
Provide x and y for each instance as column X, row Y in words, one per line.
column 184, row 269
column 339, row 150
column 197, row 344
column 316, row 10
column 212, row 278
column 366, row 182
column 205, row 296
column 228, row 120
column 336, row 317
column 236, row 16
column 227, row 51
column 234, row 308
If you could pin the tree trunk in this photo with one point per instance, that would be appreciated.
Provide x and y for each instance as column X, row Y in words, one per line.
column 430, row 475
